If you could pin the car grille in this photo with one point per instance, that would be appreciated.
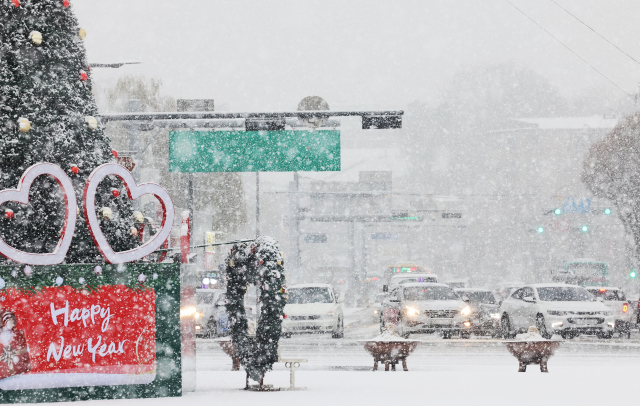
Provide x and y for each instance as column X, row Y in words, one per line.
column 440, row 314
column 587, row 313
column 586, row 322
column 314, row 317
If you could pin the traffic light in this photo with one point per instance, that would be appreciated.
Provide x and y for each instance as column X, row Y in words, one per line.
column 633, row 274
column 557, row 212
column 607, row 211
column 540, row 230
column 584, row 228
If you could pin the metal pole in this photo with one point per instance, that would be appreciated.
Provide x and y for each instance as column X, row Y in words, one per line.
column 192, row 209
column 257, row 204
column 296, row 222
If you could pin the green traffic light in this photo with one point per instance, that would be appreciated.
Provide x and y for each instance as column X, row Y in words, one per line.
column 633, row 274
column 541, row 230
column 585, row 229
column 557, row 212
column 607, row 211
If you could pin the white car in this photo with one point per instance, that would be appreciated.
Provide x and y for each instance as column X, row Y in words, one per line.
column 556, row 308
column 313, row 308
column 207, row 312
column 616, row 301
column 411, row 278
column 427, row 308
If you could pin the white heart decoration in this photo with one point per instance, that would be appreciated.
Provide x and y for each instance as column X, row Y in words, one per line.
column 21, row 195
column 134, row 191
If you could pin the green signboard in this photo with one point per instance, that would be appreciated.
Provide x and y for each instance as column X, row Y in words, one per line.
column 254, row 151
column 80, row 332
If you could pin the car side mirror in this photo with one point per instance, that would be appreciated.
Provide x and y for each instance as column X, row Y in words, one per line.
column 529, row 299
column 465, row 298
column 385, row 288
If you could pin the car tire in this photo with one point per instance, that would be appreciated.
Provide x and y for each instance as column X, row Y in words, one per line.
column 212, row 328
column 465, row 335
column 446, row 335
column 339, row 332
column 286, row 335
column 542, row 327
column 505, row 326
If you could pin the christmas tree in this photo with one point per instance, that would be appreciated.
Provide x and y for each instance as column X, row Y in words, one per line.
column 47, row 114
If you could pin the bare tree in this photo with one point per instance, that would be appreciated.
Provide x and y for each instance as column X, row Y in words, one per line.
column 612, row 170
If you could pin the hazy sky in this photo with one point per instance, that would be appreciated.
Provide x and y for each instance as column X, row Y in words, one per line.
column 267, row 55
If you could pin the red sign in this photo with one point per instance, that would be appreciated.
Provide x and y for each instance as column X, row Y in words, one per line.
column 60, row 337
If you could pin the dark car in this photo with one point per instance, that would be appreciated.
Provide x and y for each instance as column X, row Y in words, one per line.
column 485, row 310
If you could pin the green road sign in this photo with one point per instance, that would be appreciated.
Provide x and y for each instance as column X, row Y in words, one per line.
column 253, row 151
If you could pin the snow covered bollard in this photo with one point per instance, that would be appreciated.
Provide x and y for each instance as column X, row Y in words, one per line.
column 532, row 348
column 389, row 348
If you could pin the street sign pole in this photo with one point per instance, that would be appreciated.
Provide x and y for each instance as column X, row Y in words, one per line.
column 257, row 204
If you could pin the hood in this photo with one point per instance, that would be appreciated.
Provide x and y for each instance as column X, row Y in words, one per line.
column 436, row 304
column 308, row 309
column 576, row 306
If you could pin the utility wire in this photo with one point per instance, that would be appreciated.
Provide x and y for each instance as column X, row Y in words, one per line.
column 571, row 50
column 596, row 32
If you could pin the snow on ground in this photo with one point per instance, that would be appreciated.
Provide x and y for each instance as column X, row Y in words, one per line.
column 585, row 371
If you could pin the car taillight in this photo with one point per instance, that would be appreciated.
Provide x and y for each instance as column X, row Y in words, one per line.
column 285, row 315
column 625, row 307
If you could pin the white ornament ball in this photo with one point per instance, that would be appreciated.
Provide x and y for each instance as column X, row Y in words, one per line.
column 59, row 280
column 91, row 121
column 14, row 273
column 142, row 278
column 28, row 270
column 35, row 37
column 97, row 270
column 2, row 283
column 155, row 276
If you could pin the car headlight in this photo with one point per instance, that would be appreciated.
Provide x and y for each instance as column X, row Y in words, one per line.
column 411, row 311
column 556, row 313
column 466, row 311
column 198, row 315
column 495, row 316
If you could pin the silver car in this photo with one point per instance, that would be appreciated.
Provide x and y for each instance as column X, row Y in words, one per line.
column 427, row 308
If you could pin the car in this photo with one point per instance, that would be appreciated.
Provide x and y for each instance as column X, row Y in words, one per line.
column 313, row 308
column 211, row 315
column 507, row 288
column 457, row 283
column 376, row 306
column 420, row 307
column 616, row 301
column 485, row 310
column 555, row 308
column 410, row 278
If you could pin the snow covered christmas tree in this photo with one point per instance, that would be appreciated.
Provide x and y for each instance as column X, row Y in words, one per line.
column 47, row 114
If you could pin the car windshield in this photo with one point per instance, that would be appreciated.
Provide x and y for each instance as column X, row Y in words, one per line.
column 419, row 293
column 565, row 294
column 608, row 295
column 309, row 295
column 479, row 297
column 205, row 298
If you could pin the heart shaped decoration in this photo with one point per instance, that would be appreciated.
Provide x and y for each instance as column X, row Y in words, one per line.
column 134, row 191
column 21, row 195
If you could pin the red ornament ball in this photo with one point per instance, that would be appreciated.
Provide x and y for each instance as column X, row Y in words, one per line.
column 115, row 192
column 65, row 3
column 114, row 153
column 75, row 169
column 8, row 213
column 83, row 76
column 16, row 3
